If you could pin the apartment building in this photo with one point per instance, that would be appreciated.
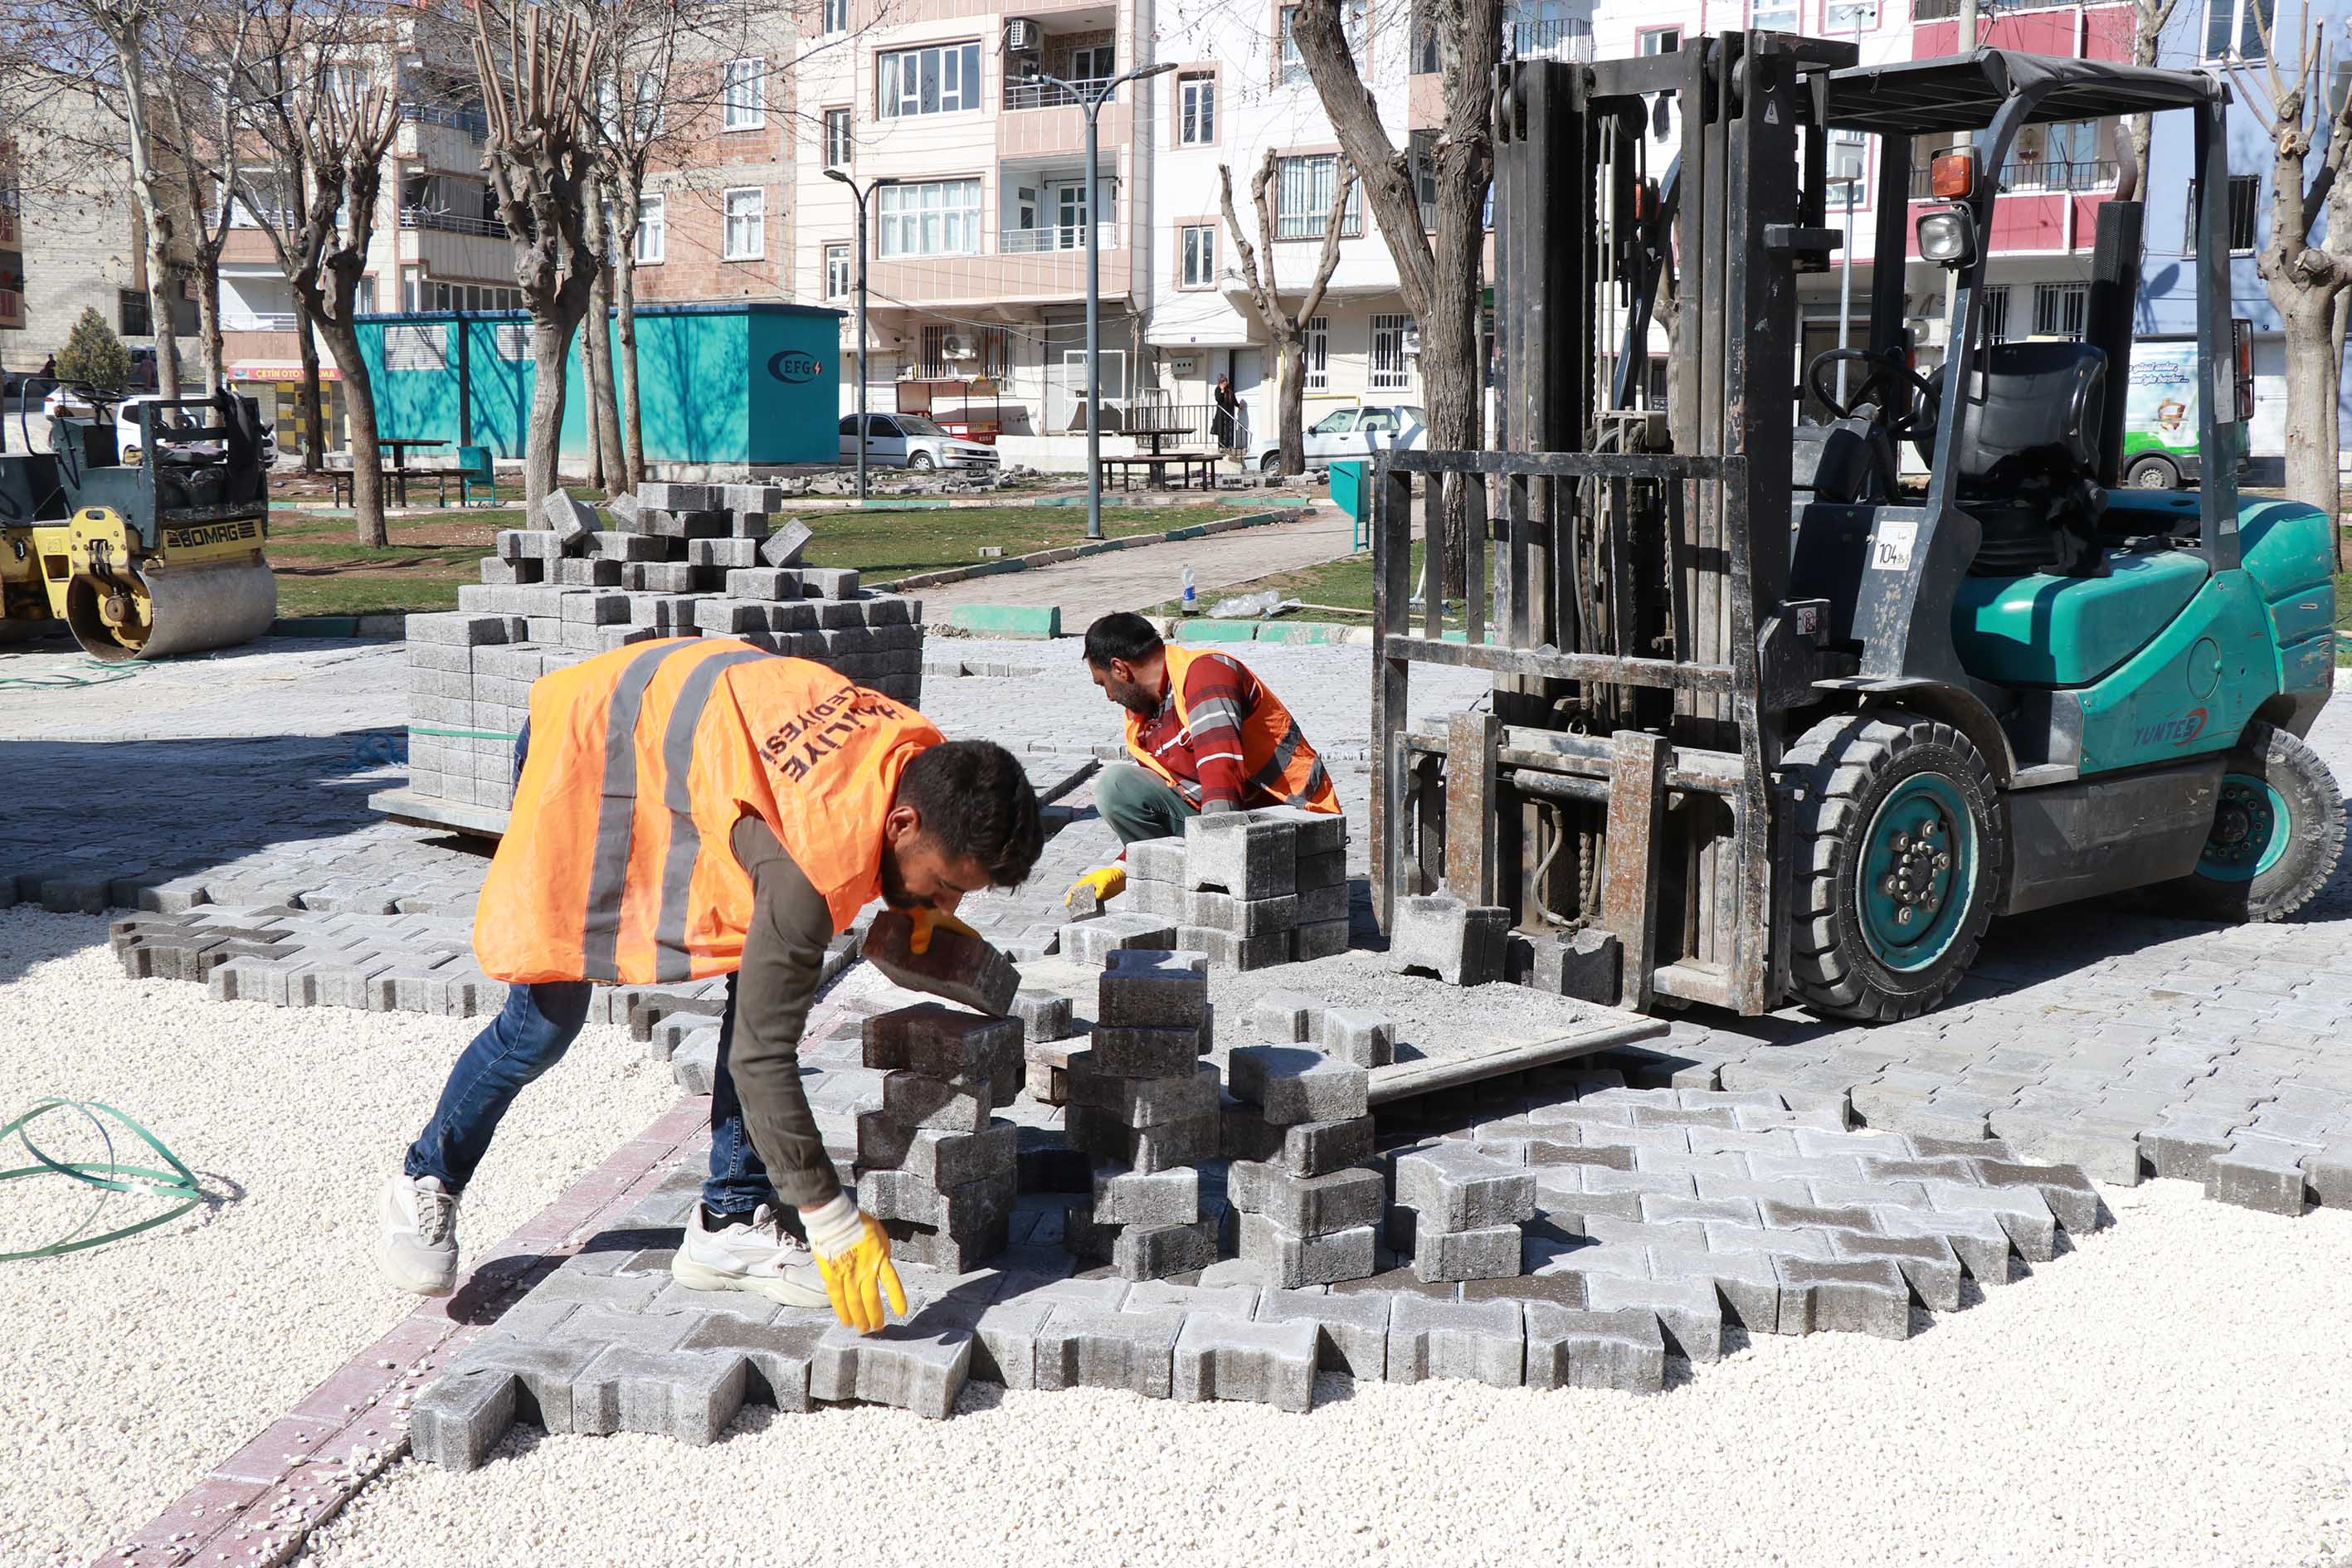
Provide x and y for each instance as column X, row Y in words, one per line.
column 715, row 219
column 12, row 240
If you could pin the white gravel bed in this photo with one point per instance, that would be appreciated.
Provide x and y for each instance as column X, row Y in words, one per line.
column 2174, row 1391
column 135, row 1367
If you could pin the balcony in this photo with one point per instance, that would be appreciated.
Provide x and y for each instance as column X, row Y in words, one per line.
column 1029, row 266
column 473, row 122
column 257, row 321
column 11, row 309
column 2041, row 208
column 1031, row 241
column 449, row 222
column 12, row 231
column 2094, row 176
column 1053, row 94
column 1042, row 120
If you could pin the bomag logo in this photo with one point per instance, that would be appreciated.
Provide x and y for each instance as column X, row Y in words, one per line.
column 214, row 533
column 2171, row 731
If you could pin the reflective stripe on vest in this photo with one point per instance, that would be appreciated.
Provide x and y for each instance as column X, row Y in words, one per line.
column 1278, row 759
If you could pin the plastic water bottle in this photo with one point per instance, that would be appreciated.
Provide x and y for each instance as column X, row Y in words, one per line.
column 1190, row 603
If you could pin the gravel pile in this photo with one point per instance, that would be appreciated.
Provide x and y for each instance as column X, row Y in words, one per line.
column 135, row 1367
column 2175, row 1394
column 1433, row 1020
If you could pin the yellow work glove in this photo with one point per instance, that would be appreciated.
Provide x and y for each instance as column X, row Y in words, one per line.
column 852, row 1257
column 927, row 920
column 1107, row 883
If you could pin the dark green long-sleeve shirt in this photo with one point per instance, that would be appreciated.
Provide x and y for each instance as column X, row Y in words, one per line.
column 783, row 953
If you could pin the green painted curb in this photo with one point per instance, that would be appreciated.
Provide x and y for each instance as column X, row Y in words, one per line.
column 1216, row 631
column 1307, row 631
column 1008, row 620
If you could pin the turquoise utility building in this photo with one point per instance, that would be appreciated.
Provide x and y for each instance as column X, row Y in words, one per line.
column 750, row 383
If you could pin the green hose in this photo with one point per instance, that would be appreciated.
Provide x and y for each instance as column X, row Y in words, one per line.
column 108, row 1177
column 67, row 677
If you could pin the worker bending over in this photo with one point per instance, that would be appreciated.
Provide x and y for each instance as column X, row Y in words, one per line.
column 695, row 808
column 1207, row 736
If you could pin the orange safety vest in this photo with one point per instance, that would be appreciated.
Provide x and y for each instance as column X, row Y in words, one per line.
column 616, row 864
column 1276, row 757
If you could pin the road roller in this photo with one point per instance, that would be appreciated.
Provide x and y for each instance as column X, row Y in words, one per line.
column 144, row 558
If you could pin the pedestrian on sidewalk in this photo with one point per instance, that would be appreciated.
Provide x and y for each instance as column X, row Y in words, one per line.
column 1207, row 736
column 1225, row 424
column 699, row 808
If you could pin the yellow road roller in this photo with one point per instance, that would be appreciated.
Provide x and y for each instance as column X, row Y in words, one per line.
column 143, row 558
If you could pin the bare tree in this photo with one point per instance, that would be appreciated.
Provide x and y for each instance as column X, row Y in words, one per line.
column 2307, row 280
column 199, row 121
column 608, row 461
column 2150, row 18
column 314, row 97
column 538, row 78
column 1440, row 272
column 1287, row 329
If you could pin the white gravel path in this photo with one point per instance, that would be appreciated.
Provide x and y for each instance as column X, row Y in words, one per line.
column 134, row 1368
column 2173, row 1392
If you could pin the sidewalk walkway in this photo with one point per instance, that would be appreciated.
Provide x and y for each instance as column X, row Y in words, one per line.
column 1150, row 574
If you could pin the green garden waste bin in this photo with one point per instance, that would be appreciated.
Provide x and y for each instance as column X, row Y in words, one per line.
column 1351, row 492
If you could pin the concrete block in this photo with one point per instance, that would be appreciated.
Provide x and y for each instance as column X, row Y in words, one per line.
column 1323, row 938
column 1287, row 1017
column 1569, row 1348
column 785, row 542
column 1443, row 1256
column 1103, row 1136
column 1859, row 1297
column 1152, row 988
column 1093, row 941
column 2032, row 1228
column 1587, row 965
column 1085, row 1347
column 1322, row 871
column 680, row 1395
column 1460, row 944
column 2328, row 1175
column 1150, row 1053
column 1319, row 832
column 1928, row 1263
column 1004, row 1342
column 1259, row 1362
column 461, row 630
column 1157, row 1251
column 1291, row 1261
column 1456, row 1187
column 961, row 968
column 1689, row 1309
column 974, row 1209
column 1319, row 905
column 1293, row 1084
column 1155, row 860
column 1351, row 1332
column 1147, row 1198
column 2067, row 1190
column 1484, row 1342
column 1242, row 954
column 1976, row 1238
column 1241, row 917
column 919, row 1365
column 1143, row 1101
column 1359, row 1037
column 669, row 496
column 942, row 1159
column 946, row 1042
column 571, row 521
column 1237, row 853
column 777, row 1354
column 913, row 1099
column 1044, row 1016
column 762, row 583
column 2257, row 1172
column 829, row 583
column 455, row 1421
column 1303, row 1149
column 1307, row 1205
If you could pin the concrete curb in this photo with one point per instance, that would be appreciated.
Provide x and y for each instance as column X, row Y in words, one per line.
column 1075, row 552
column 394, row 624
column 1321, row 634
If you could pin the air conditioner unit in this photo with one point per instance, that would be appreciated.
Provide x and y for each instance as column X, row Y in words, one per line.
column 953, row 347
column 1023, row 37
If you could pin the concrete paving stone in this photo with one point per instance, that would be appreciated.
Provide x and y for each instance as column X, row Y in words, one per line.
column 962, row 968
column 1122, row 1196
column 1242, row 854
column 1109, row 1141
column 2257, row 1172
column 1143, row 1102
column 1359, row 1037
column 2069, row 1194
column 1748, row 1282
column 1928, row 1263
column 1237, row 1301
column 2031, row 1226
column 1462, row 945
column 1143, row 1052
column 1268, row 1363
column 1456, row 1188
column 1813, row 1244
column 1885, row 1174
column 941, row 1158
column 912, row 1100
column 2105, row 1153
column 2328, row 1175
column 1312, row 1205
column 1675, row 1162
column 614, row 1294
column 944, row 1043
column 1779, row 1215
column 1093, row 941
column 1481, row 1341
column 1541, row 1152
column 1689, row 1309
column 1241, row 917
column 1291, row 1261
column 1569, row 1348
column 919, row 1365
column 1242, row 954
column 2183, row 1150
column 1806, row 1167
column 1603, row 1179
column 1084, row 1347
column 1044, row 1016
column 1150, row 1252
column 1659, row 1208
column 1868, row 1298
column 461, row 1414
column 1351, row 1332
column 1005, row 1341
column 1286, row 1017
column 681, row 1395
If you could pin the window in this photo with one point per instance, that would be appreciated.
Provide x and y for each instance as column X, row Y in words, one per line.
column 1390, row 335
column 2235, row 29
column 943, row 80
column 838, row 278
column 1423, row 151
column 131, row 309
column 1196, row 112
column 1200, row 243
column 2245, row 198
column 1850, row 17
column 746, row 236
column 646, row 103
column 1658, row 40
column 2065, row 157
column 1773, row 16
column 653, row 231
column 940, row 217
column 1304, row 193
column 836, row 16
column 1095, row 63
column 743, row 99
column 837, row 144
column 1996, row 313
column 1341, row 422
column 1318, row 353
column 2059, row 309
column 1849, row 169
column 415, row 348
column 1545, row 29
column 1293, row 71
column 363, row 300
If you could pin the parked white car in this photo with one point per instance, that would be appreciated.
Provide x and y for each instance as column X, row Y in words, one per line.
column 913, row 441
column 1356, row 432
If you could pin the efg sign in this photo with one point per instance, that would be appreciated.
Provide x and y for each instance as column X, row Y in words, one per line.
column 793, row 367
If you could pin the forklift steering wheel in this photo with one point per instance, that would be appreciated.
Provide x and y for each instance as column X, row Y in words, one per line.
column 1887, row 371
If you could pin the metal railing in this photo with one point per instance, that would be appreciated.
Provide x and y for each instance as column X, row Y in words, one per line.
column 2036, row 177
column 1550, row 38
column 1052, row 95
column 1947, row 10
column 473, row 122
column 1059, row 237
column 1310, row 226
column 449, row 222
column 259, row 320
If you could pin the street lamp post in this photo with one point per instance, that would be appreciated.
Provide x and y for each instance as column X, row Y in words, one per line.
column 1093, row 106
column 860, row 192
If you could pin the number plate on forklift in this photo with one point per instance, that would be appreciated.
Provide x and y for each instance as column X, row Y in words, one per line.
column 1890, row 546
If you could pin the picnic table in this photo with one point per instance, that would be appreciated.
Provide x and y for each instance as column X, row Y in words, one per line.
column 398, row 446
column 1156, row 466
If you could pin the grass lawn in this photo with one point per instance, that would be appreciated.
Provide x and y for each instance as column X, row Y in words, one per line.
column 1338, row 591
column 322, row 570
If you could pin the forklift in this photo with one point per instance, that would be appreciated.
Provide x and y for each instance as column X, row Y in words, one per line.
column 1773, row 721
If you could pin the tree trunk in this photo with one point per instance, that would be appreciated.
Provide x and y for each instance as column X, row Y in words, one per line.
column 2313, row 380
column 551, row 343
column 211, row 345
column 1290, row 418
column 154, row 214
column 632, row 421
column 359, row 414
column 596, row 338
column 594, row 454
column 314, row 413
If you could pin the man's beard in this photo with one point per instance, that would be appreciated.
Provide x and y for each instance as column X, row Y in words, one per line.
column 1136, row 700
column 894, row 886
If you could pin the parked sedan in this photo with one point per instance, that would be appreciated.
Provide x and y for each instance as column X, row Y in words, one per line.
column 912, row 441
column 1356, row 432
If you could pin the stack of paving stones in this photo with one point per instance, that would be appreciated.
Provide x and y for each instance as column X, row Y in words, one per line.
column 677, row 560
column 1298, row 1129
column 1143, row 1107
column 1249, row 888
column 1666, row 1222
column 934, row 1165
column 1458, row 1213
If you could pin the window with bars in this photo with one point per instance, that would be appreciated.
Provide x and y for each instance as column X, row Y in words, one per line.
column 1196, row 108
column 743, row 95
column 2059, row 309
column 942, row 80
column 1995, row 306
column 838, row 278
column 1198, row 242
column 746, row 235
column 1304, row 190
column 2245, row 201
column 1318, row 353
column 1389, row 371
column 838, row 147
column 937, row 218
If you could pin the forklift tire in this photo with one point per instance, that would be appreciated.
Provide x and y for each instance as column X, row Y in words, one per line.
column 2278, row 831
column 1901, row 852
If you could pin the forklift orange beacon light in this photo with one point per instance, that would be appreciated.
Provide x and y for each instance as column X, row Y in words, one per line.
column 1952, row 177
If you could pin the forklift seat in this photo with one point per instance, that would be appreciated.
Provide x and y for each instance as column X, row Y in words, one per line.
column 2028, row 457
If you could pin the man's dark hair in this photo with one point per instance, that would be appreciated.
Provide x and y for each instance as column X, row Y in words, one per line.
column 1123, row 635
column 974, row 798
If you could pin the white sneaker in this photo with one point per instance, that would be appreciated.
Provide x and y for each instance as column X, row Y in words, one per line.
column 760, row 1257
column 419, row 1251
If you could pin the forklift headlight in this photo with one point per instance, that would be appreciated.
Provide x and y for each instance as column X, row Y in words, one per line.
column 1947, row 236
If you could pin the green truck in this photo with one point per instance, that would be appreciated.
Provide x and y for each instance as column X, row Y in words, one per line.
column 2160, row 422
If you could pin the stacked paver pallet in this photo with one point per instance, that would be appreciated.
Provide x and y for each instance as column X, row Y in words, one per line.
column 679, row 560
column 1143, row 1105
column 933, row 1165
column 1299, row 1126
column 1249, row 888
